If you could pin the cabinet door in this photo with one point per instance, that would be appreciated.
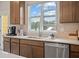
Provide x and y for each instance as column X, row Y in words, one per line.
column 25, row 50
column 77, row 12
column 12, row 12
column 37, row 52
column 7, row 44
column 74, row 51
column 15, row 46
column 66, row 12
column 17, row 12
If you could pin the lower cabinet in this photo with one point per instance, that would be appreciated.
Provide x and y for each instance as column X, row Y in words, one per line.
column 6, row 44
column 25, row 50
column 74, row 51
column 15, row 46
column 31, row 49
column 37, row 52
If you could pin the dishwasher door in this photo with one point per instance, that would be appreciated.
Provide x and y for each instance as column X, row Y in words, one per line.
column 56, row 50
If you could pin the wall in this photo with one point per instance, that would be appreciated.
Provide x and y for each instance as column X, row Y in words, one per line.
column 5, row 8
column 4, row 11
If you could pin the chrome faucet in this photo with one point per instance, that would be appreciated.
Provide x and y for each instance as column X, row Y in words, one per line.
column 40, row 34
column 52, row 35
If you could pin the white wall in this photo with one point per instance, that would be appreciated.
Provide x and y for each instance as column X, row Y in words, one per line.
column 4, row 11
column 5, row 8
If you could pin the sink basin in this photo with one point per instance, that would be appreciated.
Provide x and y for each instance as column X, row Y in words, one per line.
column 34, row 37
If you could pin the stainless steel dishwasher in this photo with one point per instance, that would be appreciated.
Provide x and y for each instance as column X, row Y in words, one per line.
column 56, row 50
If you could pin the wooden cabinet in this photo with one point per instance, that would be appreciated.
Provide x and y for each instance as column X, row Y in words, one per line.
column 15, row 46
column 77, row 11
column 66, row 12
column 74, row 51
column 33, row 49
column 6, row 44
column 69, row 12
column 37, row 52
column 25, row 50
column 15, row 12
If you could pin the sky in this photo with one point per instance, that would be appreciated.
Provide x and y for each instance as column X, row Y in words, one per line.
column 36, row 10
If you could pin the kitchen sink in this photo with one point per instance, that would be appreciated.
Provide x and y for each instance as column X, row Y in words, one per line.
column 35, row 37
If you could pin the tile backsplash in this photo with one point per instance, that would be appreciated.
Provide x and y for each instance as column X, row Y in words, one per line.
column 62, row 29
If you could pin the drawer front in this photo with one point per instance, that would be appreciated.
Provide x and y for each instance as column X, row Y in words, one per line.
column 36, row 43
column 15, row 40
column 75, row 48
column 6, row 39
column 74, row 55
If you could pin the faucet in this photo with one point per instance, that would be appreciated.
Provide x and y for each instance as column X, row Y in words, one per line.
column 40, row 34
column 52, row 35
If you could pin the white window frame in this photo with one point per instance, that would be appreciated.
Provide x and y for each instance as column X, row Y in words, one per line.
column 42, row 17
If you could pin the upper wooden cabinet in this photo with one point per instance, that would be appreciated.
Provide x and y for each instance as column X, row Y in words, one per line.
column 69, row 12
column 77, row 11
column 15, row 12
column 66, row 12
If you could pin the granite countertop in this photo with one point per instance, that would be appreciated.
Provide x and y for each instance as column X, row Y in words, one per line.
column 47, row 39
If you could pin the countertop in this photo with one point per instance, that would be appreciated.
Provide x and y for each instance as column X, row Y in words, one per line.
column 8, row 55
column 47, row 39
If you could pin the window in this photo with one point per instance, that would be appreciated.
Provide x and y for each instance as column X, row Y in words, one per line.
column 42, row 16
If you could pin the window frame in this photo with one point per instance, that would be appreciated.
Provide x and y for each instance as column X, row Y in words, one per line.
column 42, row 17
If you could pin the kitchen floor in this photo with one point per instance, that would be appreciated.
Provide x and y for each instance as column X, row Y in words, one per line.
column 8, row 55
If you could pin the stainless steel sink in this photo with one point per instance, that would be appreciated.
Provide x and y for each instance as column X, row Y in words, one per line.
column 34, row 37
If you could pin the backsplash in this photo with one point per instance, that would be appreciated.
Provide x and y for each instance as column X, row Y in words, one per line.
column 62, row 29
column 66, row 28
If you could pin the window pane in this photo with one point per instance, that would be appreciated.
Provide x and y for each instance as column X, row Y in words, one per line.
column 48, row 13
column 49, row 22
column 35, row 10
column 50, row 6
column 45, row 27
column 34, row 24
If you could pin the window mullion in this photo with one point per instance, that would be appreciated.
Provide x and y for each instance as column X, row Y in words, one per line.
column 42, row 17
